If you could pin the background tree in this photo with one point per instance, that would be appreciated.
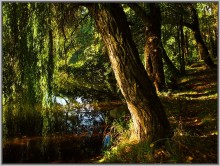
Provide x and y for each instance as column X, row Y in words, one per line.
column 208, row 20
column 154, row 54
column 194, row 26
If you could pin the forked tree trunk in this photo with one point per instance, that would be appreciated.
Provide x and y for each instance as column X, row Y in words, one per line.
column 148, row 115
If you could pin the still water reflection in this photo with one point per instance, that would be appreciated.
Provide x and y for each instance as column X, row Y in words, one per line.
column 73, row 135
column 71, row 148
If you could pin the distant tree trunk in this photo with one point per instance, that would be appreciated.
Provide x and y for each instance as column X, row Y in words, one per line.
column 179, row 45
column 153, row 50
column 182, row 58
column 50, row 64
column 215, row 9
column 148, row 115
column 213, row 43
column 175, row 72
column 203, row 50
column 146, row 18
column 187, row 55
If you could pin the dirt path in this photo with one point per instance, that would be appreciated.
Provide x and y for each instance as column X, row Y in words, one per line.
column 192, row 111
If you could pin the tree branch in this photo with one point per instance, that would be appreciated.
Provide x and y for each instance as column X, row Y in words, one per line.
column 139, row 11
column 188, row 25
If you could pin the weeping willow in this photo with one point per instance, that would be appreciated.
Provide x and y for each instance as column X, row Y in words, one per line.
column 28, row 66
column 47, row 47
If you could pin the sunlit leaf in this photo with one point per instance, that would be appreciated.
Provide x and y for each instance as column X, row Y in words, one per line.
column 189, row 158
column 151, row 145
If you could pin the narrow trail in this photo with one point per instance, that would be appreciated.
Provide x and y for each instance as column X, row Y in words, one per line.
column 193, row 112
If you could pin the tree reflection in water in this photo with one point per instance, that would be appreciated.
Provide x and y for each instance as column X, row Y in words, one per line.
column 74, row 135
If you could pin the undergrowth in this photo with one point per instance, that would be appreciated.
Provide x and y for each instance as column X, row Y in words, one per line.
column 192, row 112
column 181, row 148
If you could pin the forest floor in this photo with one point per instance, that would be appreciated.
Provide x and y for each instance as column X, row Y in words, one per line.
column 193, row 114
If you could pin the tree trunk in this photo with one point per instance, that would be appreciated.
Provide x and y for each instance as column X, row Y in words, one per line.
column 175, row 72
column 182, row 56
column 153, row 50
column 179, row 45
column 203, row 50
column 187, row 55
column 148, row 115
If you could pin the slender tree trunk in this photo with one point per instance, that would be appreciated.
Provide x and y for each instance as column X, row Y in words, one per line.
column 175, row 72
column 149, row 20
column 203, row 50
column 153, row 47
column 214, row 42
column 182, row 58
column 179, row 45
column 153, row 50
column 50, row 64
column 148, row 115
column 187, row 55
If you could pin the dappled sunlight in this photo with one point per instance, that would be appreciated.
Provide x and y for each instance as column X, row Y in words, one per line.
column 192, row 112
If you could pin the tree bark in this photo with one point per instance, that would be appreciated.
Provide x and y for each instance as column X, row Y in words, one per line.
column 153, row 47
column 153, row 50
column 148, row 115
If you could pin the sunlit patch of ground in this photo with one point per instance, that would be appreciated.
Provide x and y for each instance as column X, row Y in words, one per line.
column 192, row 112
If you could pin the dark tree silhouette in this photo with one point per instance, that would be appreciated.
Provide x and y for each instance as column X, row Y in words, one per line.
column 203, row 50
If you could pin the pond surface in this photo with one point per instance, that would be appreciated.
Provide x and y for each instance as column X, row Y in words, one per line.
column 52, row 149
column 76, row 137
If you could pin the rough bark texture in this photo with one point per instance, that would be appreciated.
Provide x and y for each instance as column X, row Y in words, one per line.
column 148, row 115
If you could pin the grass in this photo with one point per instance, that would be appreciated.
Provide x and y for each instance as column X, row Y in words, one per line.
column 192, row 112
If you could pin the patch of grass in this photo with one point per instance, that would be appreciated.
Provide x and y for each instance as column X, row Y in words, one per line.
column 183, row 147
column 192, row 112
column 128, row 152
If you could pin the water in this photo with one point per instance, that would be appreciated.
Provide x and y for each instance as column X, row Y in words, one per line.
column 73, row 134
column 69, row 148
column 79, row 140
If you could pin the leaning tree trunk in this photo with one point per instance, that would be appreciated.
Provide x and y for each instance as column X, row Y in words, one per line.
column 174, row 71
column 148, row 115
column 203, row 50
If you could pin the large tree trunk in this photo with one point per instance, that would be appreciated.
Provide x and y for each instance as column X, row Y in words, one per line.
column 148, row 115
